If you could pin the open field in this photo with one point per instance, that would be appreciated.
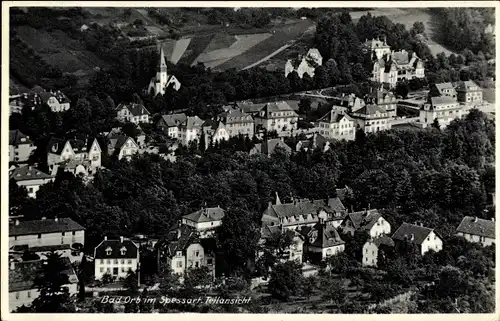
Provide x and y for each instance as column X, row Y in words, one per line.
column 197, row 46
column 286, row 34
column 408, row 16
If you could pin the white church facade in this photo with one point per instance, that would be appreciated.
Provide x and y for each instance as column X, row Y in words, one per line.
column 162, row 80
column 304, row 64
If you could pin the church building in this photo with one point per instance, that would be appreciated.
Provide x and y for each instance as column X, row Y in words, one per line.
column 162, row 80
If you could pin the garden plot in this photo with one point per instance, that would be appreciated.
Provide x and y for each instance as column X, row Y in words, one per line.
column 243, row 43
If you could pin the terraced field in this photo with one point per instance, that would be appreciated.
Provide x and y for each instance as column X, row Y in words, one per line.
column 196, row 46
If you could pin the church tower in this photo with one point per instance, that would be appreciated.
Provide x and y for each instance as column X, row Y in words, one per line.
column 161, row 74
column 162, row 80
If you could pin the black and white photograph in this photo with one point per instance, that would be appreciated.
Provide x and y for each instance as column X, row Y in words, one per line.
column 309, row 158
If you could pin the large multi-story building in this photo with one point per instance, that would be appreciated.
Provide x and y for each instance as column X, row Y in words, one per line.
column 337, row 125
column 277, row 116
column 371, row 118
column 122, row 146
column 20, row 146
column 383, row 99
column 369, row 221
column 30, row 178
column 116, row 258
column 469, row 93
column 162, row 80
column 304, row 64
column 81, row 155
column 214, row 132
column 205, row 220
column 237, row 122
column 169, row 124
column 134, row 113
column 443, row 89
column 443, row 108
column 190, row 130
column 56, row 100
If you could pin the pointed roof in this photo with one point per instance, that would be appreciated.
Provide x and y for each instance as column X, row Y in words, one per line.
column 162, row 65
column 206, row 215
column 173, row 120
column 334, row 116
column 26, row 173
column 328, row 236
column 364, row 220
column 17, row 138
column 406, row 231
column 278, row 201
column 477, row 226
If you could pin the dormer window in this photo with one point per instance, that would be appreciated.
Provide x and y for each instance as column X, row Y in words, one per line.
column 108, row 251
column 123, row 250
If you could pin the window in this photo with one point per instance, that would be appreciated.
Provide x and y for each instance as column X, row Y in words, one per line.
column 123, row 269
column 101, row 270
column 30, row 189
column 102, row 261
column 123, row 261
column 73, row 233
column 108, row 262
column 209, row 261
column 39, row 236
column 17, row 295
column 197, row 253
column 63, row 233
column 179, row 264
column 116, row 261
column 129, row 261
column 15, row 238
column 196, row 264
column 29, row 294
column 108, row 251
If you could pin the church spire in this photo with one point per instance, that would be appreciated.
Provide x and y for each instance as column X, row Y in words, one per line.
column 278, row 201
column 162, row 66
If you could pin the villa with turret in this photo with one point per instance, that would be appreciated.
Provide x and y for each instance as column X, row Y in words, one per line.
column 162, row 80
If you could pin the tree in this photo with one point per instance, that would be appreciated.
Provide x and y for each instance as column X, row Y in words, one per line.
column 169, row 281
column 304, row 106
column 435, row 124
column 136, row 99
column 402, row 89
column 308, row 286
column 334, row 291
column 198, row 277
column 131, row 130
column 286, row 280
column 54, row 296
column 131, row 282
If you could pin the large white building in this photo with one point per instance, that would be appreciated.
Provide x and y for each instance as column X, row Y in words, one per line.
column 443, row 108
column 204, row 221
column 304, row 64
column 20, row 146
column 162, row 80
column 277, row 116
column 30, row 178
column 134, row 113
column 337, row 125
column 82, row 156
column 116, row 258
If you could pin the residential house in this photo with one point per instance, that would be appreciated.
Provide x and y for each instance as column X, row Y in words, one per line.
column 205, row 220
column 383, row 99
column 373, row 248
column 267, row 147
column 477, row 230
column 322, row 240
column 378, row 47
column 292, row 253
column 337, row 125
column 56, row 100
column 425, row 238
column 184, row 249
column 316, row 141
column 190, row 130
column 443, row 89
column 345, row 102
column 77, row 156
column 370, row 221
column 134, row 113
column 250, row 108
column 277, row 116
column 469, row 93
column 237, row 122
column 371, row 118
column 31, row 178
column 303, row 212
column 214, row 132
column 116, row 258
column 160, row 83
column 304, row 64
column 22, row 275
column 62, row 235
column 122, row 146
column 169, row 124
column 20, row 146
column 443, row 108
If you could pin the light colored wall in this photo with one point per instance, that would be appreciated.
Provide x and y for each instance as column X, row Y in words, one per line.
column 432, row 242
column 26, row 297
column 485, row 241
column 128, row 149
column 106, row 265
column 22, row 152
column 370, row 254
column 193, row 260
column 34, row 185
column 48, row 239
column 380, row 228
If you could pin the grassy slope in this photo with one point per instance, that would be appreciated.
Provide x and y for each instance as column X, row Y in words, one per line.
column 197, row 45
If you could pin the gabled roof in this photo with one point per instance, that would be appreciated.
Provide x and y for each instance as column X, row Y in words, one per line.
column 234, row 116
column 116, row 246
column 27, row 173
column 117, row 141
column 304, row 207
column 192, row 122
column 328, row 236
column 56, row 146
column 468, row 85
column 134, row 109
column 444, row 86
column 17, row 138
column 406, row 231
column 364, row 220
column 382, row 240
column 401, row 57
column 174, row 119
column 369, row 110
column 334, row 116
column 212, row 124
column 273, row 107
column 477, row 226
column 249, row 107
column 268, row 146
column 64, row 224
column 206, row 215
column 442, row 100
column 23, row 276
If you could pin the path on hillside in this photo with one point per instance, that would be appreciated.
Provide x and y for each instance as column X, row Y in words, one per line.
column 269, row 56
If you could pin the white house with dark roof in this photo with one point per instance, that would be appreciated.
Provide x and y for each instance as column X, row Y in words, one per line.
column 190, row 129
column 425, row 238
column 303, row 212
column 304, row 64
column 477, row 230
column 20, row 146
column 30, row 178
column 214, row 131
column 370, row 221
column 56, row 100
column 322, row 240
column 337, row 125
column 122, row 146
column 277, row 116
column 58, row 234
column 237, row 122
column 134, row 113
column 294, row 252
column 205, row 220
column 384, row 99
column 22, row 275
column 371, row 249
column 74, row 155
column 169, row 124
column 371, row 118
column 443, row 108
column 116, row 258
column 378, row 47
column 443, row 89
column 469, row 93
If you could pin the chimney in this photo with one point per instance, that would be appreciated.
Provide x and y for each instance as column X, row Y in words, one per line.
column 56, row 219
column 281, row 227
column 12, row 265
column 475, row 219
column 16, row 222
column 105, row 238
column 368, row 205
column 121, row 239
column 44, row 218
